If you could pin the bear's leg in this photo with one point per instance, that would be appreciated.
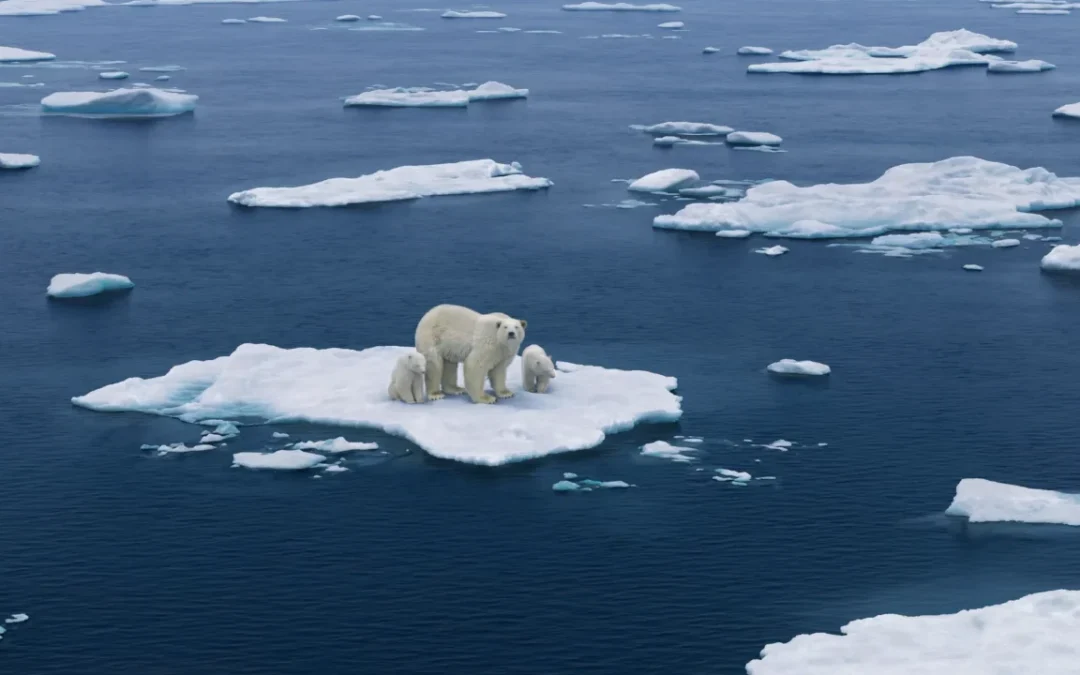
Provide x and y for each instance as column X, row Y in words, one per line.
column 433, row 376
column 418, row 389
column 498, row 380
column 542, row 383
column 392, row 391
column 528, row 381
column 474, row 383
column 449, row 378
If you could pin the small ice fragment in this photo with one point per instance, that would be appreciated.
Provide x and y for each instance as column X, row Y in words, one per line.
column 346, row 18
column 733, row 234
column 113, row 75
column 279, row 434
column 666, row 450
column 973, row 268
column 83, row 285
column 566, row 486
column 1005, row 243
column 569, row 476
column 754, row 51
column 772, row 250
column 803, row 368
column 780, row 444
column 334, row 445
column 17, row 618
column 709, row 50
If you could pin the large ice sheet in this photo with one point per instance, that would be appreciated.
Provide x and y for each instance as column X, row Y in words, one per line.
column 957, row 192
column 45, row 7
column 16, row 55
column 1062, row 258
column 1034, row 635
column 144, row 102
column 405, row 182
column 985, row 501
column 348, row 388
column 620, row 7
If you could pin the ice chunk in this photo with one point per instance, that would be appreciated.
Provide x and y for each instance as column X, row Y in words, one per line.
column 732, row 475
column 1029, row 66
column 119, row 103
column 335, row 468
column 45, row 7
column 1034, row 635
column 266, row 19
column 374, row 17
column 620, row 7
column 347, row 18
column 162, row 78
column 410, row 97
column 754, row 51
column 453, row 14
column 281, row 460
column 12, row 160
column 808, row 229
column 709, row 50
column 405, row 182
column 1070, row 110
column 670, row 141
column 112, row 75
column 211, row 438
column 664, row 180
column 971, row 267
column 346, row 387
column 1062, row 258
column 223, row 427
column 913, row 240
column 666, row 450
column 494, row 91
column 178, row 448
column 705, row 192
column 17, row 618
column 793, row 367
column 931, row 196
column 671, row 25
column 162, row 69
column 1051, row 12
column 569, row 476
column 780, row 444
column 16, row 55
column 233, row 22
column 1005, row 243
column 772, row 251
column 685, row 129
column 279, row 434
column 566, row 486
column 334, row 445
column 604, row 484
column 733, row 234
column 984, row 501
column 81, row 285
column 753, row 138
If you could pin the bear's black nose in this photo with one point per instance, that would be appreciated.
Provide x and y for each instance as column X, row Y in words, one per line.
column 511, row 334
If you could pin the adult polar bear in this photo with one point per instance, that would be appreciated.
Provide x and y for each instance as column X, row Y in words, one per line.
column 486, row 343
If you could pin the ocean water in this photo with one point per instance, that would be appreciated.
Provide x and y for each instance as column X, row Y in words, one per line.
column 128, row 562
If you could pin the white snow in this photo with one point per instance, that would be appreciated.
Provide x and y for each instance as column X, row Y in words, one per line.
column 405, row 182
column 281, row 460
column 112, row 75
column 45, row 7
column 753, row 138
column 772, row 251
column 984, row 501
column 1033, row 635
column 1062, row 258
column 17, row 618
column 16, row 55
column 148, row 102
column 348, row 388
column 81, row 285
column 684, row 129
column 1070, row 110
column 940, row 50
column 793, row 367
column 733, row 234
column 620, row 7
column 11, row 160
column 971, row 267
column 347, row 18
column 671, row 25
column 1029, row 66
column 335, row 445
column 754, row 51
column 266, row 19
column 453, row 14
column 665, row 450
column 663, row 181
column 941, row 195
column 1005, row 243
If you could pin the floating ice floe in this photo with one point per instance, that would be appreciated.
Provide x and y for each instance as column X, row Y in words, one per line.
column 665, row 180
column 211, row 437
column 280, row 460
column 279, row 434
column 405, row 182
column 233, row 22
column 112, row 75
column 1062, row 258
column 732, row 476
column 684, row 129
column 179, row 448
column 147, row 102
column 387, row 26
column 985, row 501
column 162, row 69
column 423, row 97
column 45, row 7
column 940, row 50
column 374, row 17
column 348, row 388
column 710, row 50
column 1034, row 635
column 1029, row 66
column 17, row 618
column 665, row 450
column 482, row 14
column 753, row 138
column 928, row 196
column 620, row 7
column 16, row 55
column 266, row 19
column 11, row 160
column 799, row 368
column 772, row 251
column 1005, row 243
column 971, row 267
column 588, row 485
column 671, row 141
column 671, row 25
column 754, row 51
column 82, row 285
column 1044, row 12
column 335, row 445
column 780, row 444
column 706, row 192
column 733, row 234
column 1071, row 110
column 347, row 18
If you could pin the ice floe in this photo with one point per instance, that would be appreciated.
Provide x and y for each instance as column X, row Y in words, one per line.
column 479, row 14
column 1044, row 12
column 620, row 7
column 16, row 55
column 335, row 445
column 348, row 388
column 664, row 180
column 17, row 618
column 82, row 285
column 1029, row 66
column 671, row 25
column 112, row 75
column 754, row 51
column 665, row 450
column 972, row 267
column 280, row 460
column 983, row 501
column 684, row 129
column 147, row 102
column 279, row 434
column 388, row 26
column 798, row 368
column 45, row 7
column 266, row 19
column 772, row 251
column 405, row 182
column 587, row 484
column 1005, row 243
column 347, row 18
column 1071, row 110
column 11, row 160
column 424, row 97
column 753, row 138
column 706, row 192
column 671, row 141
column 178, row 448
column 733, row 234
column 1062, row 258
column 233, row 22
column 732, row 476
column 162, row 69
column 779, row 444
column 927, row 196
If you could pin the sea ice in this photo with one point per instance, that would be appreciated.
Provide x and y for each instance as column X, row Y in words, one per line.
column 334, row 445
column 928, row 196
column 348, row 388
column 729, row 475
column 705, row 192
column 566, row 486
column 684, row 129
column 1044, row 12
column 405, row 182
column 1005, row 243
column 733, row 234
column 16, row 55
column 222, row 427
column 754, row 51
column 453, row 14
column 620, row 7
column 45, row 7
column 495, row 91
column 162, row 69
column 347, row 18
column 971, row 267
column 1070, row 110
column 1033, row 635
column 178, row 448
column 279, row 434
column 671, row 25
column 112, row 75
column 772, row 251
column 281, row 460
column 335, row 468
column 798, row 368
column 1062, row 258
column 605, row 484
column 266, row 19
column 423, row 97
column 11, row 160
column 671, row 141
column 1029, row 66
column 569, row 476
column 233, row 22
column 665, row 180
column 82, row 285
column 17, row 618
column 374, row 17
column 666, row 450
column 983, row 501
column 780, row 444
column 709, row 50
column 211, row 438
column 119, row 103
column 753, row 138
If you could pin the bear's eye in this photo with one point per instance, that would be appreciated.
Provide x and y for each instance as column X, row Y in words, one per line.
column 498, row 324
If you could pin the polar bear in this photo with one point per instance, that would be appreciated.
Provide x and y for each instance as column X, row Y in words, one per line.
column 537, row 369
column 486, row 343
column 407, row 381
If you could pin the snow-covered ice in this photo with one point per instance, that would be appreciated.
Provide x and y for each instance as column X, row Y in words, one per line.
column 112, row 75
column 1062, row 258
column 279, row 434
column 772, row 251
column 149, row 102
column 211, row 438
column 972, row 267
column 733, row 234
column 233, row 22
column 671, row 25
column 81, row 285
column 424, row 97
column 480, row 14
column 566, row 486
column 348, row 388
column 405, row 182
column 732, row 476
column 587, row 484
column 620, row 7
column 665, row 450
column 280, row 460
column 705, row 192
column 16, row 55
column 754, row 51
column 1070, row 110
column 45, row 7
column 985, row 501
column 664, row 180
column 798, row 368
column 1005, row 243
column 495, row 91
column 347, row 18
column 179, row 448
column 1029, row 66
column 11, row 160
column 266, row 19
column 1033, row 635
column 684, row 129
column 779, row 444
column 710, row 50
column 941, row 195
column 335, row 445
column 753, row 138
column 17, row 618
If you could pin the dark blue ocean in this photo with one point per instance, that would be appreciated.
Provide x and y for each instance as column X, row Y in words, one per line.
column 132, row 563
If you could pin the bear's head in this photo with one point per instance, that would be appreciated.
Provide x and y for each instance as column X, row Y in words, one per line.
column 510, row 332
column 416, row 362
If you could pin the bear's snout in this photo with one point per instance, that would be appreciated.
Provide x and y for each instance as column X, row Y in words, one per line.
column 511, row 335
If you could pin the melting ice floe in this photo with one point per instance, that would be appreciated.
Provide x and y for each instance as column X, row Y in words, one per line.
column 1070, row 110
column 1062, row 258
column 405, row 182
column 12, row 160
column 1029, row 66
column 146, row 102
column 798, row 368
column 754, row 51
column 112, row 75
column 587, row 484
column 985, row 501
column 934, row 196
column 664, row 180
column 45, row 7
column 334, row 445
column 16, row 55
column 620, row 7
column 753, row 138
column 1033, row 635
column 453, row 14
column 266, row 19
column 424, row 97
column 971, row 267
column 940, row 50
column 346, row 387
column 772, row 251
column 82, row 285
column 684, row 129
column 665, row 450
column 280, row 460
column 671, row 25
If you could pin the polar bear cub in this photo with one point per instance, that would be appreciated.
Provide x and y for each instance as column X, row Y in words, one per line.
column 485, row 343
column 407, row 381
column 537, row 369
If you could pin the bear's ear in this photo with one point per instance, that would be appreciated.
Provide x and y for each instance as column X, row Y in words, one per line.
column 524, row 323
column 498, row 324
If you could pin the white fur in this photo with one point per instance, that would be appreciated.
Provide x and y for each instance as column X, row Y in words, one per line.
column 537, row 369
column 486, row 343
column 407, row 381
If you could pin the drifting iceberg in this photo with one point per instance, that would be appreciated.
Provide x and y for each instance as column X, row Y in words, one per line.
column 940, row 195
column 334, row 445
column 754, row 51
column 82, row 285
column 45, row 7
column 1005, row 243
column 146, row 102
column 1071, row 110
column 986, row 501
column 671, row 25
column 799, row 368
column 620, row 7
column 665, row 450
column 266, row 19
column 684, row 129
column 16, row 55
column 709, row 50
column 112, row 75
column 664, row 180
column 405, row 182
column 281, row 460
column 348, row 388
column 753, row 138
column 1062, row 258
column 347, row 18
column 452, row 14
column 1029, row 66
column 12, row 160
